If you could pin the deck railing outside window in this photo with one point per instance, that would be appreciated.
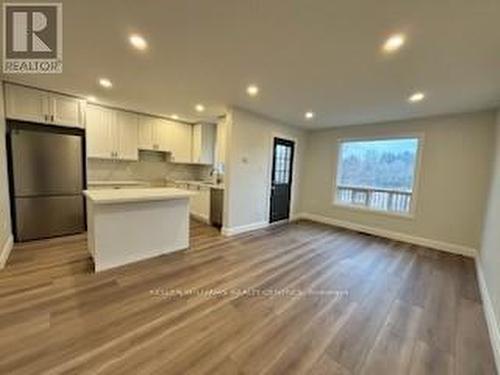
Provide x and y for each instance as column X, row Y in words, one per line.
column 391, row 200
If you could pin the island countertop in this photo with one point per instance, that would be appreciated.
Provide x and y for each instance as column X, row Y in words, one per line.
column 110, row 196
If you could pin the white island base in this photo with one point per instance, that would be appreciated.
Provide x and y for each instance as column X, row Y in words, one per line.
column 129, row 225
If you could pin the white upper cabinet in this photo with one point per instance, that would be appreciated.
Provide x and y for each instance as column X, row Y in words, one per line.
column 67, row 111
column 161, row 134
column 99, row 129
column 153, row 134
column 203, row 143
column 146, row 125
column 127, row 127
column 157, row 134
column 22, row 103
column 180, row 141
column 27, row 104
column 111, row 134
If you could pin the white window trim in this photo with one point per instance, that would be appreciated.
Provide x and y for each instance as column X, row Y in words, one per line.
column 386, row 137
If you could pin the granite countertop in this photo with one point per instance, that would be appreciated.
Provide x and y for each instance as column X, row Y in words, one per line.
column 110, row 196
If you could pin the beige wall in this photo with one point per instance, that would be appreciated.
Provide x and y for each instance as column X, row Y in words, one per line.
column 490, row 251
column 5, row 226
column 452, row 185
column 248, row 168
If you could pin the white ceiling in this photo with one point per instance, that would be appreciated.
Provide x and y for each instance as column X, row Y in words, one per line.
column 322, row 55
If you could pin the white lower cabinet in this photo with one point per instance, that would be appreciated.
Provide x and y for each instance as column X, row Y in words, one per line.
column 111, row 134
column 200, row 202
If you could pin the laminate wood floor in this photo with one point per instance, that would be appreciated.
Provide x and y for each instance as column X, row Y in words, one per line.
column 300, row 298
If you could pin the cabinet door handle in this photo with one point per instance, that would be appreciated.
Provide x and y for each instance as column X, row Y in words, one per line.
column 46, row 118
column 52, row 118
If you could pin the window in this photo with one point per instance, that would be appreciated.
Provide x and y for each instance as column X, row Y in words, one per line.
column 377, row 174
column 282, row 157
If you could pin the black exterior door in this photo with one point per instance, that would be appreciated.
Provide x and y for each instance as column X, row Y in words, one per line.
column 281, row 179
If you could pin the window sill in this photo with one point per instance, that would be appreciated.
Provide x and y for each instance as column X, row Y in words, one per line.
column 363, row 209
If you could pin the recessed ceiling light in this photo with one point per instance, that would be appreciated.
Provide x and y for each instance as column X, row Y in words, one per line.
column 91, row 98
column 174, row 116
column 104, row 82
column 309, row 115
column 138, row 42
column 252, row 90
column 199, row 107
column 417, row 97
column 394, row 43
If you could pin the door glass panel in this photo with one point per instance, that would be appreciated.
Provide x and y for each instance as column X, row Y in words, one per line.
column 282, row 163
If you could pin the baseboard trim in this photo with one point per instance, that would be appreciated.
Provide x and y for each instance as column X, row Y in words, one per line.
column 6, row 249
column 199, row 217
column 421, row 241
column 243, row 228
column 489, row 314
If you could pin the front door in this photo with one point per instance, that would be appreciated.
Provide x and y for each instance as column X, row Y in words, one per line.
column 281, row 179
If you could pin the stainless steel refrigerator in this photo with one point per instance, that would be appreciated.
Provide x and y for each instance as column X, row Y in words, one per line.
column 47, row 179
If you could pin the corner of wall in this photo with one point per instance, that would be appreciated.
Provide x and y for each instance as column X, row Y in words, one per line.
column 492, row 323
column 5, row 250
column 490, row 252
column 6, row 238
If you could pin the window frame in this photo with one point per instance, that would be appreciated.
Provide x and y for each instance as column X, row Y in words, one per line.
column 386, row 137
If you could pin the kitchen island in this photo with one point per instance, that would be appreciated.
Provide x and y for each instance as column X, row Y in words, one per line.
column 128, row 225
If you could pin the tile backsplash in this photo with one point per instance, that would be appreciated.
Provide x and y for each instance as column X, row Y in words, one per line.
column 151, row 167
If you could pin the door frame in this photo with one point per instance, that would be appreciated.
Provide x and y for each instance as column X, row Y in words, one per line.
column 270, row 176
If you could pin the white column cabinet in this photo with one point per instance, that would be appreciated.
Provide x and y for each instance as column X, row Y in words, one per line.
column 111, row 134
column 28, row 104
